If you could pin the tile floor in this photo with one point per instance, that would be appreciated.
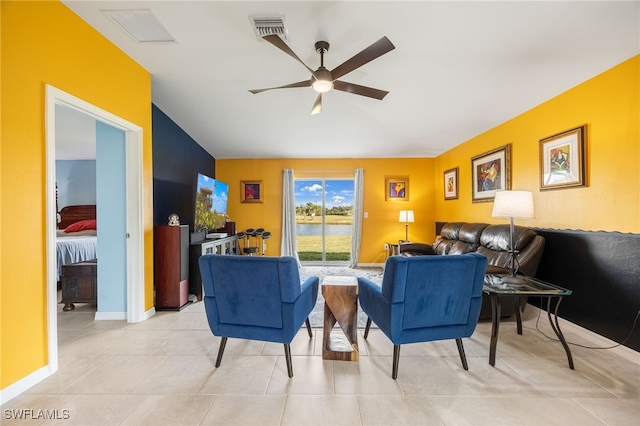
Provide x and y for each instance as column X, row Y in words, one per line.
column 161, row 372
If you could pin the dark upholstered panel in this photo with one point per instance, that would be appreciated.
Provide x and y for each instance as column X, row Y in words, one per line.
column 603, row 271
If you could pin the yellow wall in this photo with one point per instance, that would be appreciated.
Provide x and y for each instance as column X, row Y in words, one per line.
column 382, row 224
column 45, row 43
column 609, row 105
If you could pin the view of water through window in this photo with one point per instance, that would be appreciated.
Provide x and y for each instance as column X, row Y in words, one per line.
column 324, row 218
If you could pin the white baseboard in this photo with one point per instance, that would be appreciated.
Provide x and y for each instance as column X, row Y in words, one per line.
column 103, row 316
column 148, row 314
column 22, row 385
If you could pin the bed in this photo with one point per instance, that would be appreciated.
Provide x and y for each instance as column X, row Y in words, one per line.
column 79, row 243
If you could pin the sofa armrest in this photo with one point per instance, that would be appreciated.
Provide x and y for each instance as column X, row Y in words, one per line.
column 415, row 249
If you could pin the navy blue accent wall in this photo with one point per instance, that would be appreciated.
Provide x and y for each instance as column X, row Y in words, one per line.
column 177, row 160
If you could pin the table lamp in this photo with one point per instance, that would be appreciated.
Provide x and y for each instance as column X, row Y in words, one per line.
column 406, row 216
column 513, row 204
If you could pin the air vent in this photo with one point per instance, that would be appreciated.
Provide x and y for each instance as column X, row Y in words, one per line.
column 142, row 25
column 267, row 25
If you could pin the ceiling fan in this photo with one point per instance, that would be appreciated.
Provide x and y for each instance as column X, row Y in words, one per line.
column 322, row 80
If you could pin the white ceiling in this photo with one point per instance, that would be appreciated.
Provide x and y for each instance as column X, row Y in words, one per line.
column 458, row 70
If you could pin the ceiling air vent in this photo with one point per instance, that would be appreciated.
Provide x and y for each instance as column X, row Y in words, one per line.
column 267, row 25
column 142, row 25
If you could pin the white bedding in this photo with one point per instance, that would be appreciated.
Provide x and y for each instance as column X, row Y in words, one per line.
column 75, row 247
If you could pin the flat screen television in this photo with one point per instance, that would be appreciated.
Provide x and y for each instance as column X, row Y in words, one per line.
column 211, row 204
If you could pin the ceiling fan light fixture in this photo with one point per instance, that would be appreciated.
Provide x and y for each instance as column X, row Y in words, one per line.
column 322, row 81
column 322, row 86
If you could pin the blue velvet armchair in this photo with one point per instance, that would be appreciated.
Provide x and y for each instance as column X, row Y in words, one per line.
column 256, row 298
column 425, row 298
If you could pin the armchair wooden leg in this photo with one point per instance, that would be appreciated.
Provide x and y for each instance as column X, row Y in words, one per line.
column 287, row 356
column 367, row 327
column 396, row 360
column 308, row 327
column 223, row 343
column 463, row 357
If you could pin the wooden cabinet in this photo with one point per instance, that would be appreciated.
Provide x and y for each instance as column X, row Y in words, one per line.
column 79, row 284
column 226, row 246
column 172, row 267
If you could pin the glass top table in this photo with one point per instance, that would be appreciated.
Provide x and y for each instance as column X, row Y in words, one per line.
column 503, row 284
column 500, row 286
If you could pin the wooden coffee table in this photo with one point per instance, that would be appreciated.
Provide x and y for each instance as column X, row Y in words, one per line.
column 341, row 306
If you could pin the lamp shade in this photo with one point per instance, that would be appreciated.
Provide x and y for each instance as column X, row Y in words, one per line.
column 518, row 204
column 406, row 216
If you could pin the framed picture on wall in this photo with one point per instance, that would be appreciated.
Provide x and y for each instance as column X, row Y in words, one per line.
column 451, row 184
column 562, row 160
column 251, row 191
column 396, row 188
column 491, row 172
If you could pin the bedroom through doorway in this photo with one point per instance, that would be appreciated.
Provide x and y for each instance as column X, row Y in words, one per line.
column 131, row 212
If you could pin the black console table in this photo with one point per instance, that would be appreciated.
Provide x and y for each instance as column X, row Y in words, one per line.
column 224, row 246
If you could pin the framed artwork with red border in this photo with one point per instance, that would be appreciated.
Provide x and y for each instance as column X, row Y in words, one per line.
column 251, row 191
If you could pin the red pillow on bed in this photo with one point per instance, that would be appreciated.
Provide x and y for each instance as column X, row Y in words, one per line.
column 82, row 225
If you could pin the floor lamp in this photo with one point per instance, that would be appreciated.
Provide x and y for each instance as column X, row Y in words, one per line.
column 513, row 204
column 406, row 217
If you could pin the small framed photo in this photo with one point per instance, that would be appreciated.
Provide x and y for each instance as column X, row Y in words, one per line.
column 562, row 160
column 451, row 184
column 251, row 191
column 491, row 172
column 396, row 188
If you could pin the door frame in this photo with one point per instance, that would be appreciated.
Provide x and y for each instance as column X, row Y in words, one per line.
column 134, row 210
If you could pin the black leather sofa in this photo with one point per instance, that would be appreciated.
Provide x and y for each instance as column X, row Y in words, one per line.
column 490, row 240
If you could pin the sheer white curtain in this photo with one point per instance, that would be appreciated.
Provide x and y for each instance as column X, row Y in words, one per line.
column 356, row 233
column 288, row 245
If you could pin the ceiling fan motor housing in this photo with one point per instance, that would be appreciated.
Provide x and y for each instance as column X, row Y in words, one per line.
column 322, row 47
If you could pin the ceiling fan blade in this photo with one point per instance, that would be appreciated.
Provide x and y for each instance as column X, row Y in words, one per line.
column 372, row 52
column 305, row 83
column 317, row 106
column 280, row 44
column 356, row 89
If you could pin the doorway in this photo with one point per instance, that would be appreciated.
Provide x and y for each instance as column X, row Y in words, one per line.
column 324, row 220
column 134, row 212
